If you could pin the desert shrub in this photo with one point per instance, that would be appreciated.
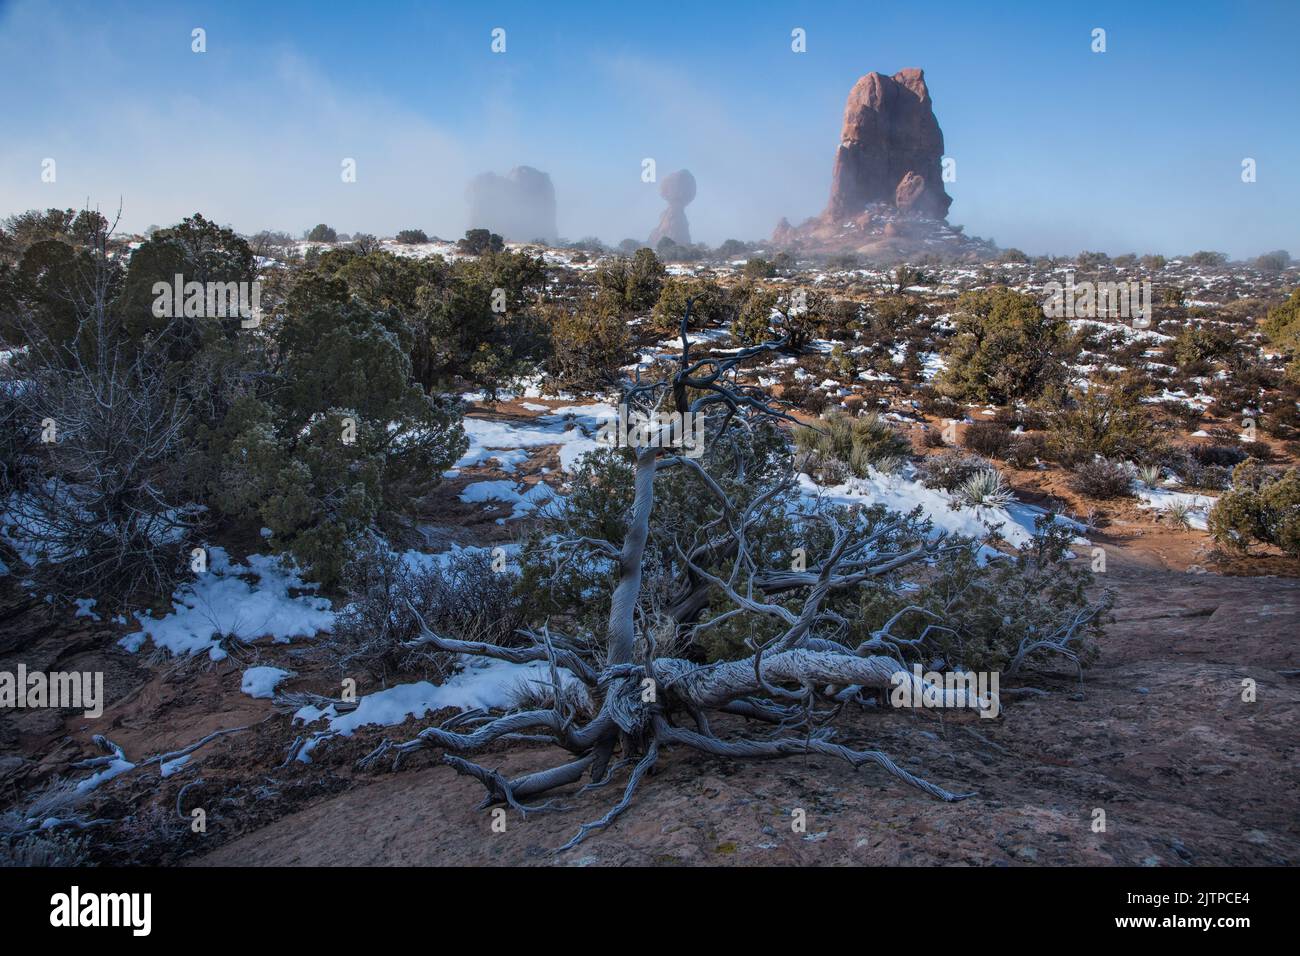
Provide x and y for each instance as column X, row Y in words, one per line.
column 933, row 438
column 1282, row 418
column 990, row 439
column 1150, row 475
column 1004, row 348
column 1262, row 507
column 412, row 237
column 1178, row 514
column 1185, row 414
column 364, row 243
column 800, row 393
column 1026, row 450
column 321, row 233
column 475, row 319
column 949, row 470
column 1282, row 328
column 480, row 242
column 1103, row 479
column 339, row 437
column 1274, row 261
column 767, row 314
column 1193, row 473
column 668, row 249
column 635, row 283
column 710, row 305
column 937, row 405
column 754, row 320
column 1207, row 259
column 1107, row 422
column 842, row 364
column 997, row 611
column 102, row 503
column 103, row 508
column 1213, row 453
column 199, row 250
column 588, row 345
column 889, row 318
column 44, row 848
column 758, row 268
column 463, row 598
column 857, row 442
column 1196, row 346
column 1260, row 451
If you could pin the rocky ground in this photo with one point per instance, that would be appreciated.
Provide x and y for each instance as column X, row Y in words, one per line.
column 1158, row 737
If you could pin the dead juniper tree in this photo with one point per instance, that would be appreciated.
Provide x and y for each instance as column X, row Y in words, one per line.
column 804, row 669
column 104, row 426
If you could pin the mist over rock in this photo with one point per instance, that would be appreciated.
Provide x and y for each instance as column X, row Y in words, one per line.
column 519, row 205
column 677, row 189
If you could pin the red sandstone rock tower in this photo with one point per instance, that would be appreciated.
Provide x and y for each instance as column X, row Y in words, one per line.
column 890, row 150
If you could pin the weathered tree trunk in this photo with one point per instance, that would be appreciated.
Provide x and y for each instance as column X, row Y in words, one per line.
column 622, row 607
column 780, row 684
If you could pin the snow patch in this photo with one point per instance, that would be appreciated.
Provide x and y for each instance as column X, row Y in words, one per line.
column 221, row 602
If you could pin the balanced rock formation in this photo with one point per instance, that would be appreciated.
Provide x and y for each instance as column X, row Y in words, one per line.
column 890, row 149
column 519, row 205
column 677, row 189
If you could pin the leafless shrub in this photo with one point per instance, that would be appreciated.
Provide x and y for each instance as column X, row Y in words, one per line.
column 1103, row 479
column 464, row 597
column 99, row 508
column 949, row 470
column 989, row 439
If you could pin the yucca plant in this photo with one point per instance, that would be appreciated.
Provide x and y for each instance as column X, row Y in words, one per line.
column 1179, row 514
column 987, row 489
column 1150, row 475
column 889, row 464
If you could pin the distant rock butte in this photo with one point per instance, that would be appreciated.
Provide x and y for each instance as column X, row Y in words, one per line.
column 519, row 205
column 677, row 189
column 887, row 194
column 890, row 149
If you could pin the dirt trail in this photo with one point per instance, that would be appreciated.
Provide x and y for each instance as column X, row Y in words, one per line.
column 1160, row 740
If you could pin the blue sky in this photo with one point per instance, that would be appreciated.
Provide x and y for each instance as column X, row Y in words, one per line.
column 1058, row 149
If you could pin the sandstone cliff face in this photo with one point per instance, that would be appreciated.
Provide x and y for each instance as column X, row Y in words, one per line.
column 890, row 149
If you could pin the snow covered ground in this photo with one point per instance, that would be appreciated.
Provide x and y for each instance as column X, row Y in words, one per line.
column 901, row 492
column 1163, row 499
column 572, row 427
column 222, row 601
column 482, row 683
column 260, row 682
